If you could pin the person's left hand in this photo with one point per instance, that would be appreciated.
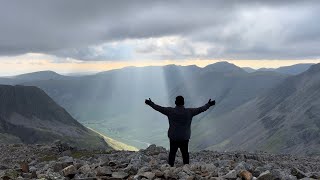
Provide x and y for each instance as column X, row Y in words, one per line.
column 212, row 102
column 148, row 101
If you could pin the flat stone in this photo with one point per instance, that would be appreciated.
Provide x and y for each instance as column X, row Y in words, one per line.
column 120, row 174
column 149, row 175
column 103, row 171
column 159, row 173
column 266, row 176
column 314, row 175
column 231, row 175
column 85, row 169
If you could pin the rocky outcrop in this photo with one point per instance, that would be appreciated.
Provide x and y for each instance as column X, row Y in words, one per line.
column 47, row 162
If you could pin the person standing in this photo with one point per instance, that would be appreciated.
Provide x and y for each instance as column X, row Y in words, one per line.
column 179, row 131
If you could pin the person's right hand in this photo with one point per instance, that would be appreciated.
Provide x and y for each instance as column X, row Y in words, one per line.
column 148, row 101
column 212, row 102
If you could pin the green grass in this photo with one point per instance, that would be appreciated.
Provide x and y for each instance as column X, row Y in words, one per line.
column 48, row 158
column 9, row 139
column 274, row 143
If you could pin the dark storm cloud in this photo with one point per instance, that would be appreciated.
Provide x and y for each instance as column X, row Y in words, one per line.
column 70, row 28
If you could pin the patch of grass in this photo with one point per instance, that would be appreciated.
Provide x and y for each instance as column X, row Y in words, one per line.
column 221, row 145
column 13, row 174
column 274, row 143
column 48, row 158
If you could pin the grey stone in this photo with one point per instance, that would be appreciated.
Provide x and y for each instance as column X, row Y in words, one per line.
column 159, row 173
column 58, row 166
column 69, row 171
column 149, row 175
column 232, row 175
column 298, row 173
column 120, row 174
column 266, row 176
column 103, row 171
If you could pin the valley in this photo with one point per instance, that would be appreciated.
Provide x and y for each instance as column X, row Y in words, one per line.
column 112, row 102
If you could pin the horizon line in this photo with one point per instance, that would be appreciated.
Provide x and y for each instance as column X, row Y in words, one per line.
column 84, row 73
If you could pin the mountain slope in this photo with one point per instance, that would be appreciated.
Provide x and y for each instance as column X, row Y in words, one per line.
column 292, row 70
column 286, row 119
column 249, row 69
column 28, row 115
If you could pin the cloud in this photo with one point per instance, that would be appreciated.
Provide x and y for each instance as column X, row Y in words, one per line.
column 122, row 30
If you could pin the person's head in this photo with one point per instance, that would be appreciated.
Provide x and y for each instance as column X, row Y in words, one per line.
column 179, row 101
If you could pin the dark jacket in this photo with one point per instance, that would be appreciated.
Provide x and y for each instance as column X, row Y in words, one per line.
column 179, row 119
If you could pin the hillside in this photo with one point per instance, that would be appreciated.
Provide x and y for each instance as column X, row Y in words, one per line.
column 283, row 120
column 29, row 115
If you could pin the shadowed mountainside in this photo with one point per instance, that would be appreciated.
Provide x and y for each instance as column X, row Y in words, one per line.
column 29, row 115
column 285, row 119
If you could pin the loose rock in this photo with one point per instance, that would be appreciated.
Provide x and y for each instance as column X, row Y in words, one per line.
column 69, row 171
column 120, row 174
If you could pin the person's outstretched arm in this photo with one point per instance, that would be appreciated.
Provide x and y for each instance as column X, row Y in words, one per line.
column 163, row 110
column 196, row 111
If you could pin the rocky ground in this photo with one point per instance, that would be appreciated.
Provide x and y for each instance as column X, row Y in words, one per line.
column 59, row 161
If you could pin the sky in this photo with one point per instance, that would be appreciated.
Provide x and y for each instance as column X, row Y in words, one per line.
column 97, row 35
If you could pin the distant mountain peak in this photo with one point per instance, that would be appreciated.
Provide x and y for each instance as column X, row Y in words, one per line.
column 40, row 75
column 47, row 72
column 224, row 66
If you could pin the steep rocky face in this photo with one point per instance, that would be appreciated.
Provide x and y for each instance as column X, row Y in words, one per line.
column 285, row 119
column 28, row 115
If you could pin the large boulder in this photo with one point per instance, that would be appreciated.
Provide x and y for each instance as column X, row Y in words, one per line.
column 154, row 150
column 69, row 171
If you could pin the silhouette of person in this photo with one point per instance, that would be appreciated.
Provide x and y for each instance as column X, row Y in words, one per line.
column 179, row 125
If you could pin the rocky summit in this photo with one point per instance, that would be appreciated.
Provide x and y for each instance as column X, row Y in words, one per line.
column 58, row 161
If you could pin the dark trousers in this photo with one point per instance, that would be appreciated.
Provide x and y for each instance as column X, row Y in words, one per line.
column 174, row 145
